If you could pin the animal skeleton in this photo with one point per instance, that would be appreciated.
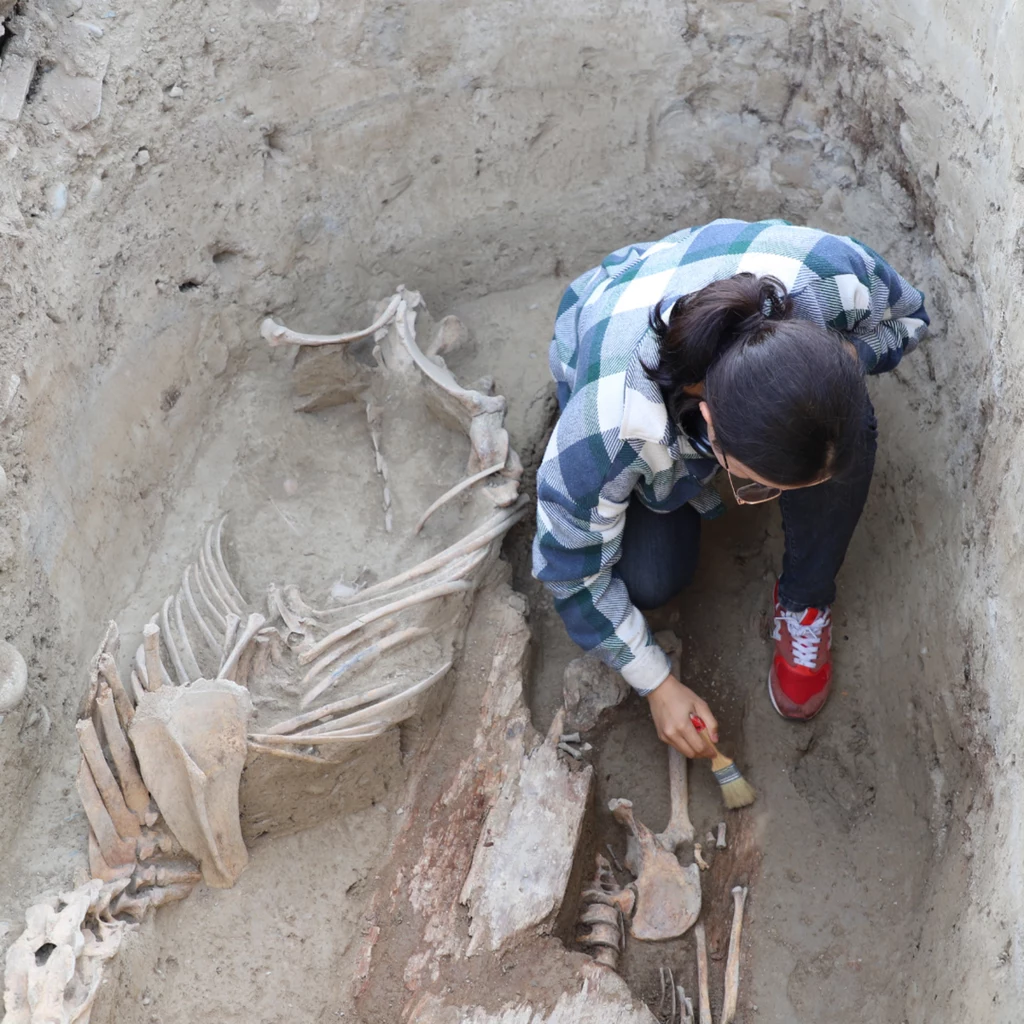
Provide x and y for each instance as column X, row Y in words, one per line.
column 162, row 755
column 603, row 905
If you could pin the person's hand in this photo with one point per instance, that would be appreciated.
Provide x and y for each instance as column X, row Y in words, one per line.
column 671, row 707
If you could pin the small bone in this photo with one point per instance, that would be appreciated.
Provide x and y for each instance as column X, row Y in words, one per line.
column 200, row 621
column 115, row 850
column 291, row 755
column 252, row 627
column 732, row 963
column 98, row 866
column 365, row 657
column 367, row 731
column 431, row 593
column 167, row 873
column 720, row 841
column 685, row 1006
column 151, row 645
column 455, row 492
column 698, row 857
column 136, row 795
column 711, row 838
column 571, row 751
column 615, row 860
column 569, row 737
column 122, row 701
column 704, row 992
column 679, row 828
column 126, row 824
column 277, row 334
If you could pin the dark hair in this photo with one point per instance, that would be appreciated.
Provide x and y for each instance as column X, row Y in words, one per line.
column 786, row 396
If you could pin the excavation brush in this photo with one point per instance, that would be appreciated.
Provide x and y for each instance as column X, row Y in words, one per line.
column 736, row 791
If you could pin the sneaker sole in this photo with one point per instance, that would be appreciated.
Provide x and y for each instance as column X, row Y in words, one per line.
column 788, row 718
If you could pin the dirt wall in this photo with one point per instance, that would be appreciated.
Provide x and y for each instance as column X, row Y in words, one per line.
column 300, row 159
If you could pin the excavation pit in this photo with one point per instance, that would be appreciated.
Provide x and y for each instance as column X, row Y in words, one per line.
column 304, row 169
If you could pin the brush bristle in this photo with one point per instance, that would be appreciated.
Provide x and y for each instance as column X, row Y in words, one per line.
column 738, row 794
column 736, row 791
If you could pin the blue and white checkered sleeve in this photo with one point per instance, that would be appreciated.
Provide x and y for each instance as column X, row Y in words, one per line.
column 583, row 489
column 891, row 320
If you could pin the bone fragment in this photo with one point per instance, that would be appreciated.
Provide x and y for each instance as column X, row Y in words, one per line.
column 277, row 334
column 378, row 628
column 126, row 824
column 704, row 992
column 122, row 701
column 571, row 751
column 668, row 994
column 291, row 755
column 136, row 795
column 720, row 841
column 150, row 899
column 679, row 828
column 431, row 593
column 455, row 491
column 615, row 860
column 167, row 873
column 732, row 963
column 116, row 851
column 252, row 627
column 151, row 645
column 569, row 737
column 369, row 731
column 668, row 895
column 365, row 657
column 698, row 857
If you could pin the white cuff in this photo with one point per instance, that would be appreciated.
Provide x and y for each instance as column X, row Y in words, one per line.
column 648, row 670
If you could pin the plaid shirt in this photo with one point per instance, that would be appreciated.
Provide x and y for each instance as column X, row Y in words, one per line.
column 614, row 436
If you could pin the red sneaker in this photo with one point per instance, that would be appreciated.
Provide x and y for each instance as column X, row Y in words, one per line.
column 801, row 671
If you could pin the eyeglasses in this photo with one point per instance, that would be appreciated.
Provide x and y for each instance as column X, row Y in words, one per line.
column 752, row 493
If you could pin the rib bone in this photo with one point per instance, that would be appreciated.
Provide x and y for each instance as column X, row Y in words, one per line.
column 136, row 795
column 455, row 491
column 252, row 627
column 125, row 822
column 116, row 851
column 732, row 963
column 277, row 334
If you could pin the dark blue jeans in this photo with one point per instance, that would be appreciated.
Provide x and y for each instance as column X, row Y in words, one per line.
column 659, row 550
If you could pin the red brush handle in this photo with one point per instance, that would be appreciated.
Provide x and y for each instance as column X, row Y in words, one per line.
column 700, row 725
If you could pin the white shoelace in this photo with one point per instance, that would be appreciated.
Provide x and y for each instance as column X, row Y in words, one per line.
column 806, row 639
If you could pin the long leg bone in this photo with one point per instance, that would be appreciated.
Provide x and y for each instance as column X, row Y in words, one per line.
column 363, row 658
column 679, row 828
column 125, row 822
column 704, row 991
column 136, row 795
column 732, row 963
column 455, row 491
column 116, row 851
